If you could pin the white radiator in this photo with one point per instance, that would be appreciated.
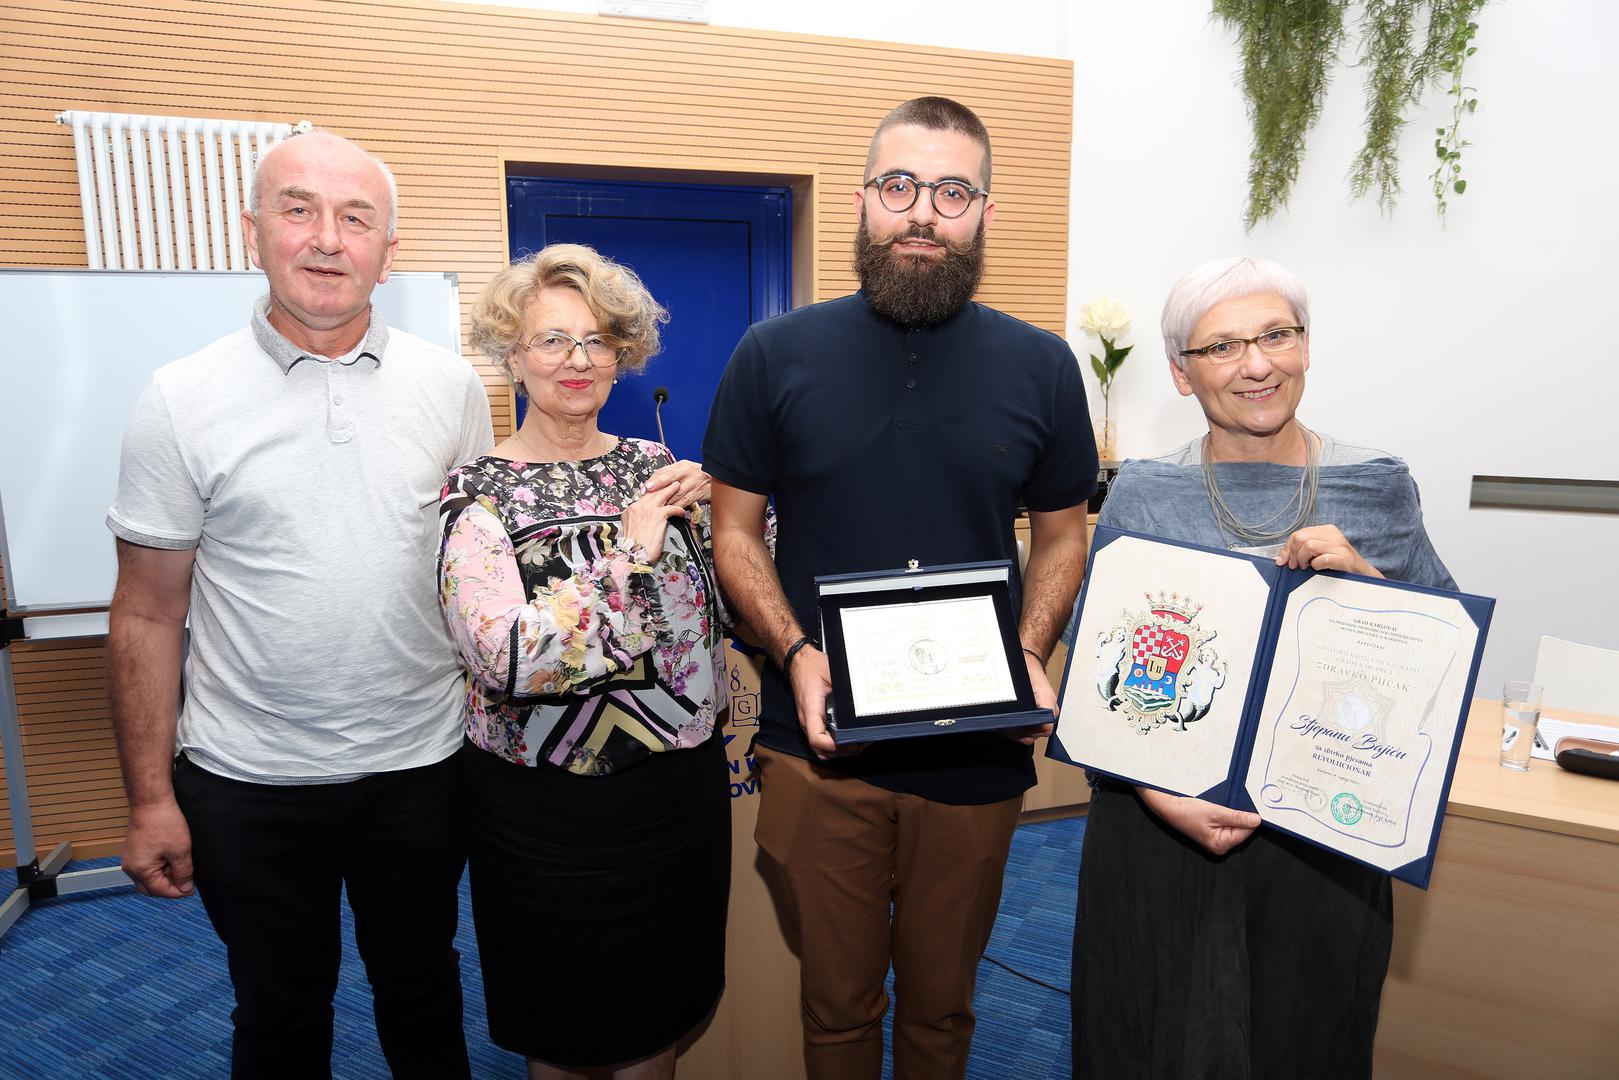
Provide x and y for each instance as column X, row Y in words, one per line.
column 166, row 192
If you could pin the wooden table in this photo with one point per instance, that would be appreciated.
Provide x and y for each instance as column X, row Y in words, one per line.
column 1508, row 966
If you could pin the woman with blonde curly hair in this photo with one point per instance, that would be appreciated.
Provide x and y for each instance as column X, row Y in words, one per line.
column 575, row 576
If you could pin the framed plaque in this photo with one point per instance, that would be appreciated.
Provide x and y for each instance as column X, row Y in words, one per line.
column 924, row 652
column 1330, row 704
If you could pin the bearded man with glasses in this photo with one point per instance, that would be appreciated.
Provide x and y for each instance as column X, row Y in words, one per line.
column 903, row 422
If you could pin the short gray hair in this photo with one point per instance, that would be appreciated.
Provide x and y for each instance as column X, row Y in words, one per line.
column 1213, row 283
column 255, row 200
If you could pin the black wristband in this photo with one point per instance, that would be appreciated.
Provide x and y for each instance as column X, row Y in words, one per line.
column 792, row 651
column 1036, row 655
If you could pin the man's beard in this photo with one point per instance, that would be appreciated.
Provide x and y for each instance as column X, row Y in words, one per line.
column 918, row 290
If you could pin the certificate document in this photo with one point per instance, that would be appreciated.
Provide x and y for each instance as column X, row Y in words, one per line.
column 1352, row 746
column 1330, row 704
column 1161, row 663
column 930, row 655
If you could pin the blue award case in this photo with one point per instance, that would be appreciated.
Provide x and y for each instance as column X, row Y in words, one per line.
column 836, row 593
column 1282, row 582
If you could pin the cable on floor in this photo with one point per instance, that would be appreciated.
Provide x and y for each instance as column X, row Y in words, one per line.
column 1024, row 975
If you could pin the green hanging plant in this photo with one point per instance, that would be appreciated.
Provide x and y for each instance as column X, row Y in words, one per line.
column 1392, row 83
column 1285, row 50
column 1450, row 43
column 1288, row 47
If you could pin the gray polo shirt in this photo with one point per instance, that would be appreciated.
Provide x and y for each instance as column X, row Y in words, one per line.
column 309, row 488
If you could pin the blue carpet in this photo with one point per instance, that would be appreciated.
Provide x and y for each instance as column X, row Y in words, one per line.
column 112, row 984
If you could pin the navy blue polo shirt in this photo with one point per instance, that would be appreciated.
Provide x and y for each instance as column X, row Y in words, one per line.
column 880, row 445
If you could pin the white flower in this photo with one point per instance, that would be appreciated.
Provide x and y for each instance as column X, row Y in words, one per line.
column 1104, row 317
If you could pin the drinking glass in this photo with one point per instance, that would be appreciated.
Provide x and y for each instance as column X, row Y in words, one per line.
column 1520, row 712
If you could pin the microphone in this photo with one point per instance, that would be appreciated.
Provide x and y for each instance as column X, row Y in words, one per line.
column 659, row 396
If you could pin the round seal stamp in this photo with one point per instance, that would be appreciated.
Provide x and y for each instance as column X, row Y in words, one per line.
column 927, row 657
column 1346, row 808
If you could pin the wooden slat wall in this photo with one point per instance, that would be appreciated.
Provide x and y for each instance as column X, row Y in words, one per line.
column 448, row 94
column 74, row 785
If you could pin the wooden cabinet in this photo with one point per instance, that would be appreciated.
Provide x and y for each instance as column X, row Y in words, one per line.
column 1508, row 965
column 1061, row 790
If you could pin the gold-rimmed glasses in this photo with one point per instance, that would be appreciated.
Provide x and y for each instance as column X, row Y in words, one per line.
column 555, row 346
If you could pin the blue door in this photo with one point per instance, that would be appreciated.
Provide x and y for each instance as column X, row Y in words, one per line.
column 716, row 256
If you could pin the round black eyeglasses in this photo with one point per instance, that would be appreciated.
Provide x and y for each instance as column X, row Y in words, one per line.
column 898, row 193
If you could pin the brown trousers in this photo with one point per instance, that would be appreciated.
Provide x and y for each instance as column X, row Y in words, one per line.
column 838, row 851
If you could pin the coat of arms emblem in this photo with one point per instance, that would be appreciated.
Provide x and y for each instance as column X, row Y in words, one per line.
column 1156, row 666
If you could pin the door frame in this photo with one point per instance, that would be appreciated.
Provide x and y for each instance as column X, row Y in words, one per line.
column 804, row 261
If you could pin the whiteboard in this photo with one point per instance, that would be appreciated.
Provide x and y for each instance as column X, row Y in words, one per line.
column 76, row 348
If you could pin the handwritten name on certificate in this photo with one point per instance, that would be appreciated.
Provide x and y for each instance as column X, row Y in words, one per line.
column 930, row 655
column 1351, row 750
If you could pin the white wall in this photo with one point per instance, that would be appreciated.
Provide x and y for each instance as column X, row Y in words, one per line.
column 1479, row 347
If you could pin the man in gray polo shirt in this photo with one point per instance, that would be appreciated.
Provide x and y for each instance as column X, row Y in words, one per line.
column 280, row 488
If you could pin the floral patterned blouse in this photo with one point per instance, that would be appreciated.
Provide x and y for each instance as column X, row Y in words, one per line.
column 579, row 651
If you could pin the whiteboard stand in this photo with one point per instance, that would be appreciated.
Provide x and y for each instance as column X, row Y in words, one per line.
column 36, row 880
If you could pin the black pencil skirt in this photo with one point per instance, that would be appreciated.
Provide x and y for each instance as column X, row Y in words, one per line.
column 599, row 902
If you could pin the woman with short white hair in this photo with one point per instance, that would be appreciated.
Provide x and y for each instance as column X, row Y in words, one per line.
column 1203, row 947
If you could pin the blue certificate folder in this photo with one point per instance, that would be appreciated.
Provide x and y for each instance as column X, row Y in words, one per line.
column 924, row 651
column 1330, row 704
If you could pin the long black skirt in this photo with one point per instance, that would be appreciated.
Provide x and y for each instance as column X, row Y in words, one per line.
column 599, row 902
column 1268, row 962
